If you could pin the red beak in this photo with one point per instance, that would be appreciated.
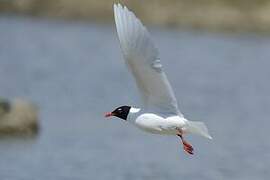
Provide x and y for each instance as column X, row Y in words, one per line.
column 109, row 114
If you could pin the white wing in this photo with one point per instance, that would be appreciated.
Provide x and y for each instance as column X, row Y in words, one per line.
column 142, row 58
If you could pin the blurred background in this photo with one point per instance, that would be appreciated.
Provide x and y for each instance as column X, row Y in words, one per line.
column 61, row 69
column 233, row 15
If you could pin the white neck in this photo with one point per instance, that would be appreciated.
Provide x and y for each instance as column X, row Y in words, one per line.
column 133, row 114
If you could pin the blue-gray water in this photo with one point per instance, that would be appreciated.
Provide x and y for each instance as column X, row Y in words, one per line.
column 74, row 72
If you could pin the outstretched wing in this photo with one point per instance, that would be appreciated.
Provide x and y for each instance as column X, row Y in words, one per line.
column 142, row 58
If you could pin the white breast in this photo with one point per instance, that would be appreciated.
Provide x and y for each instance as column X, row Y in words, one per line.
column 158, row 125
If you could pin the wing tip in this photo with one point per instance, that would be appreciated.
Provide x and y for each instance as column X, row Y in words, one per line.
column 118, row 6
column 115, row 7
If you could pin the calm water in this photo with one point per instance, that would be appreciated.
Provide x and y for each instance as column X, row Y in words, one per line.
column 74, row 72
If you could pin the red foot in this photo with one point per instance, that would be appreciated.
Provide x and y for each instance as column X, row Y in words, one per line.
column 187, row 147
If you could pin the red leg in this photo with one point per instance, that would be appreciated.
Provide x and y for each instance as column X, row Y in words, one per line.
column 186, row 146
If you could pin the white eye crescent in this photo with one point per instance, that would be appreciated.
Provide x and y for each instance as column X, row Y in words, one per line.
column 134, row 110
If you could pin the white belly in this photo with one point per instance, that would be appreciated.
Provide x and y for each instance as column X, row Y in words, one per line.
column 158, row 125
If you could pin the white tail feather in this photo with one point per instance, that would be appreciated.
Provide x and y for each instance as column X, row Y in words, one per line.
column 198, row 128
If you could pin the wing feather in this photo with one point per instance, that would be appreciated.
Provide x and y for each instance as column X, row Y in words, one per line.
column 142, row 58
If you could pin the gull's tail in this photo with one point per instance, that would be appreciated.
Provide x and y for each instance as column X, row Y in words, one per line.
column 198, row 128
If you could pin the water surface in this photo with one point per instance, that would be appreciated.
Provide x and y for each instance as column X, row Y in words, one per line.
column 75, row 72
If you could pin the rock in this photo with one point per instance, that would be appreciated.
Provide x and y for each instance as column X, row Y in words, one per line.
column 18, row 117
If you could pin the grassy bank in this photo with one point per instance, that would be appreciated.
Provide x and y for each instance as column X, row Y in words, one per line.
column 228, row 15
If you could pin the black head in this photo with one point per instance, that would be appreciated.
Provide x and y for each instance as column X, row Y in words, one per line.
column 121, row 112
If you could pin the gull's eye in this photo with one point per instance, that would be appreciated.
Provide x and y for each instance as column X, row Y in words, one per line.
column 120, row 110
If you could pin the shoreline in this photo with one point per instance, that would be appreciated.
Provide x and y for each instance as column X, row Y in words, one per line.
column 212, row 15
